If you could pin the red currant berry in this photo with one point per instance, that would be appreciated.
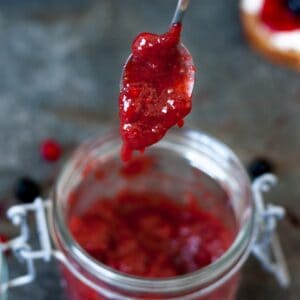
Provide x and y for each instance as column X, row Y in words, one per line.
column 3, row 238
column 51, row 150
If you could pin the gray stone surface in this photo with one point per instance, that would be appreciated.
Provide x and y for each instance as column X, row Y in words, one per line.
column 60, row 63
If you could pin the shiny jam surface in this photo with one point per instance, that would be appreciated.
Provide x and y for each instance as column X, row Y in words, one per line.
column 149, row 235
column 277, row 15
column 154, row 94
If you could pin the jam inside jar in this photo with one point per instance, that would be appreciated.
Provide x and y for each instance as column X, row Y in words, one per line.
column 174, row 223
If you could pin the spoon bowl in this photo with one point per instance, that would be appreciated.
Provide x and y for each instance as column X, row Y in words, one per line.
column 188, row 63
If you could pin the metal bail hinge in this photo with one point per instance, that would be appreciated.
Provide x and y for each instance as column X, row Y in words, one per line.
column 20, row 245
column 267, row 248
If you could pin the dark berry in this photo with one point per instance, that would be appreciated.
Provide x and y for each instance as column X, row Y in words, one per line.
column 51, row 150
column 26, row 190
column 294, row 6
column 259, row 166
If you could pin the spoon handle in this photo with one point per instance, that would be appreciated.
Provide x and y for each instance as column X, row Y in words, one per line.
column 181, row 8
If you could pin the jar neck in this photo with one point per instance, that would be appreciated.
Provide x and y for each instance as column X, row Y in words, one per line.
column 188, row 286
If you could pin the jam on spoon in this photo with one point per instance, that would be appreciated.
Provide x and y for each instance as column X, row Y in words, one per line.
column 156, row 87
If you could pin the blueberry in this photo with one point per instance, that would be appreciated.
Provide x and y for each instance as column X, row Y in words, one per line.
column 294, row 6
column 26, row 190
column 259, row 166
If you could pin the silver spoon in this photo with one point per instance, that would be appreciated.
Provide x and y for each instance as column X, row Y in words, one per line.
column 181, row 8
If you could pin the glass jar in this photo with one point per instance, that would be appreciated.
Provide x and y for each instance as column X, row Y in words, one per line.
column 186, row 162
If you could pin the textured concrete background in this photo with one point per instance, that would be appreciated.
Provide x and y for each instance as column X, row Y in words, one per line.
column 60, row 63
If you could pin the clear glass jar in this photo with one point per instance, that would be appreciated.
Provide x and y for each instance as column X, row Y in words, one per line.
column 185, row 161
column 190, row 161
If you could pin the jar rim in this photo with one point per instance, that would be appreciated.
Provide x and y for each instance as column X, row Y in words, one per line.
column 210, row 276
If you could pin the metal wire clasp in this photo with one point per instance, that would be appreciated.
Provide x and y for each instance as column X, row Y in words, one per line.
column 19, row 217
column 267, row 248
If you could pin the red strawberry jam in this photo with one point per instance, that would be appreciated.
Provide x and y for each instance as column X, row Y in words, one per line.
column 280, row 15
column 150, row 235
column 155, row 93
